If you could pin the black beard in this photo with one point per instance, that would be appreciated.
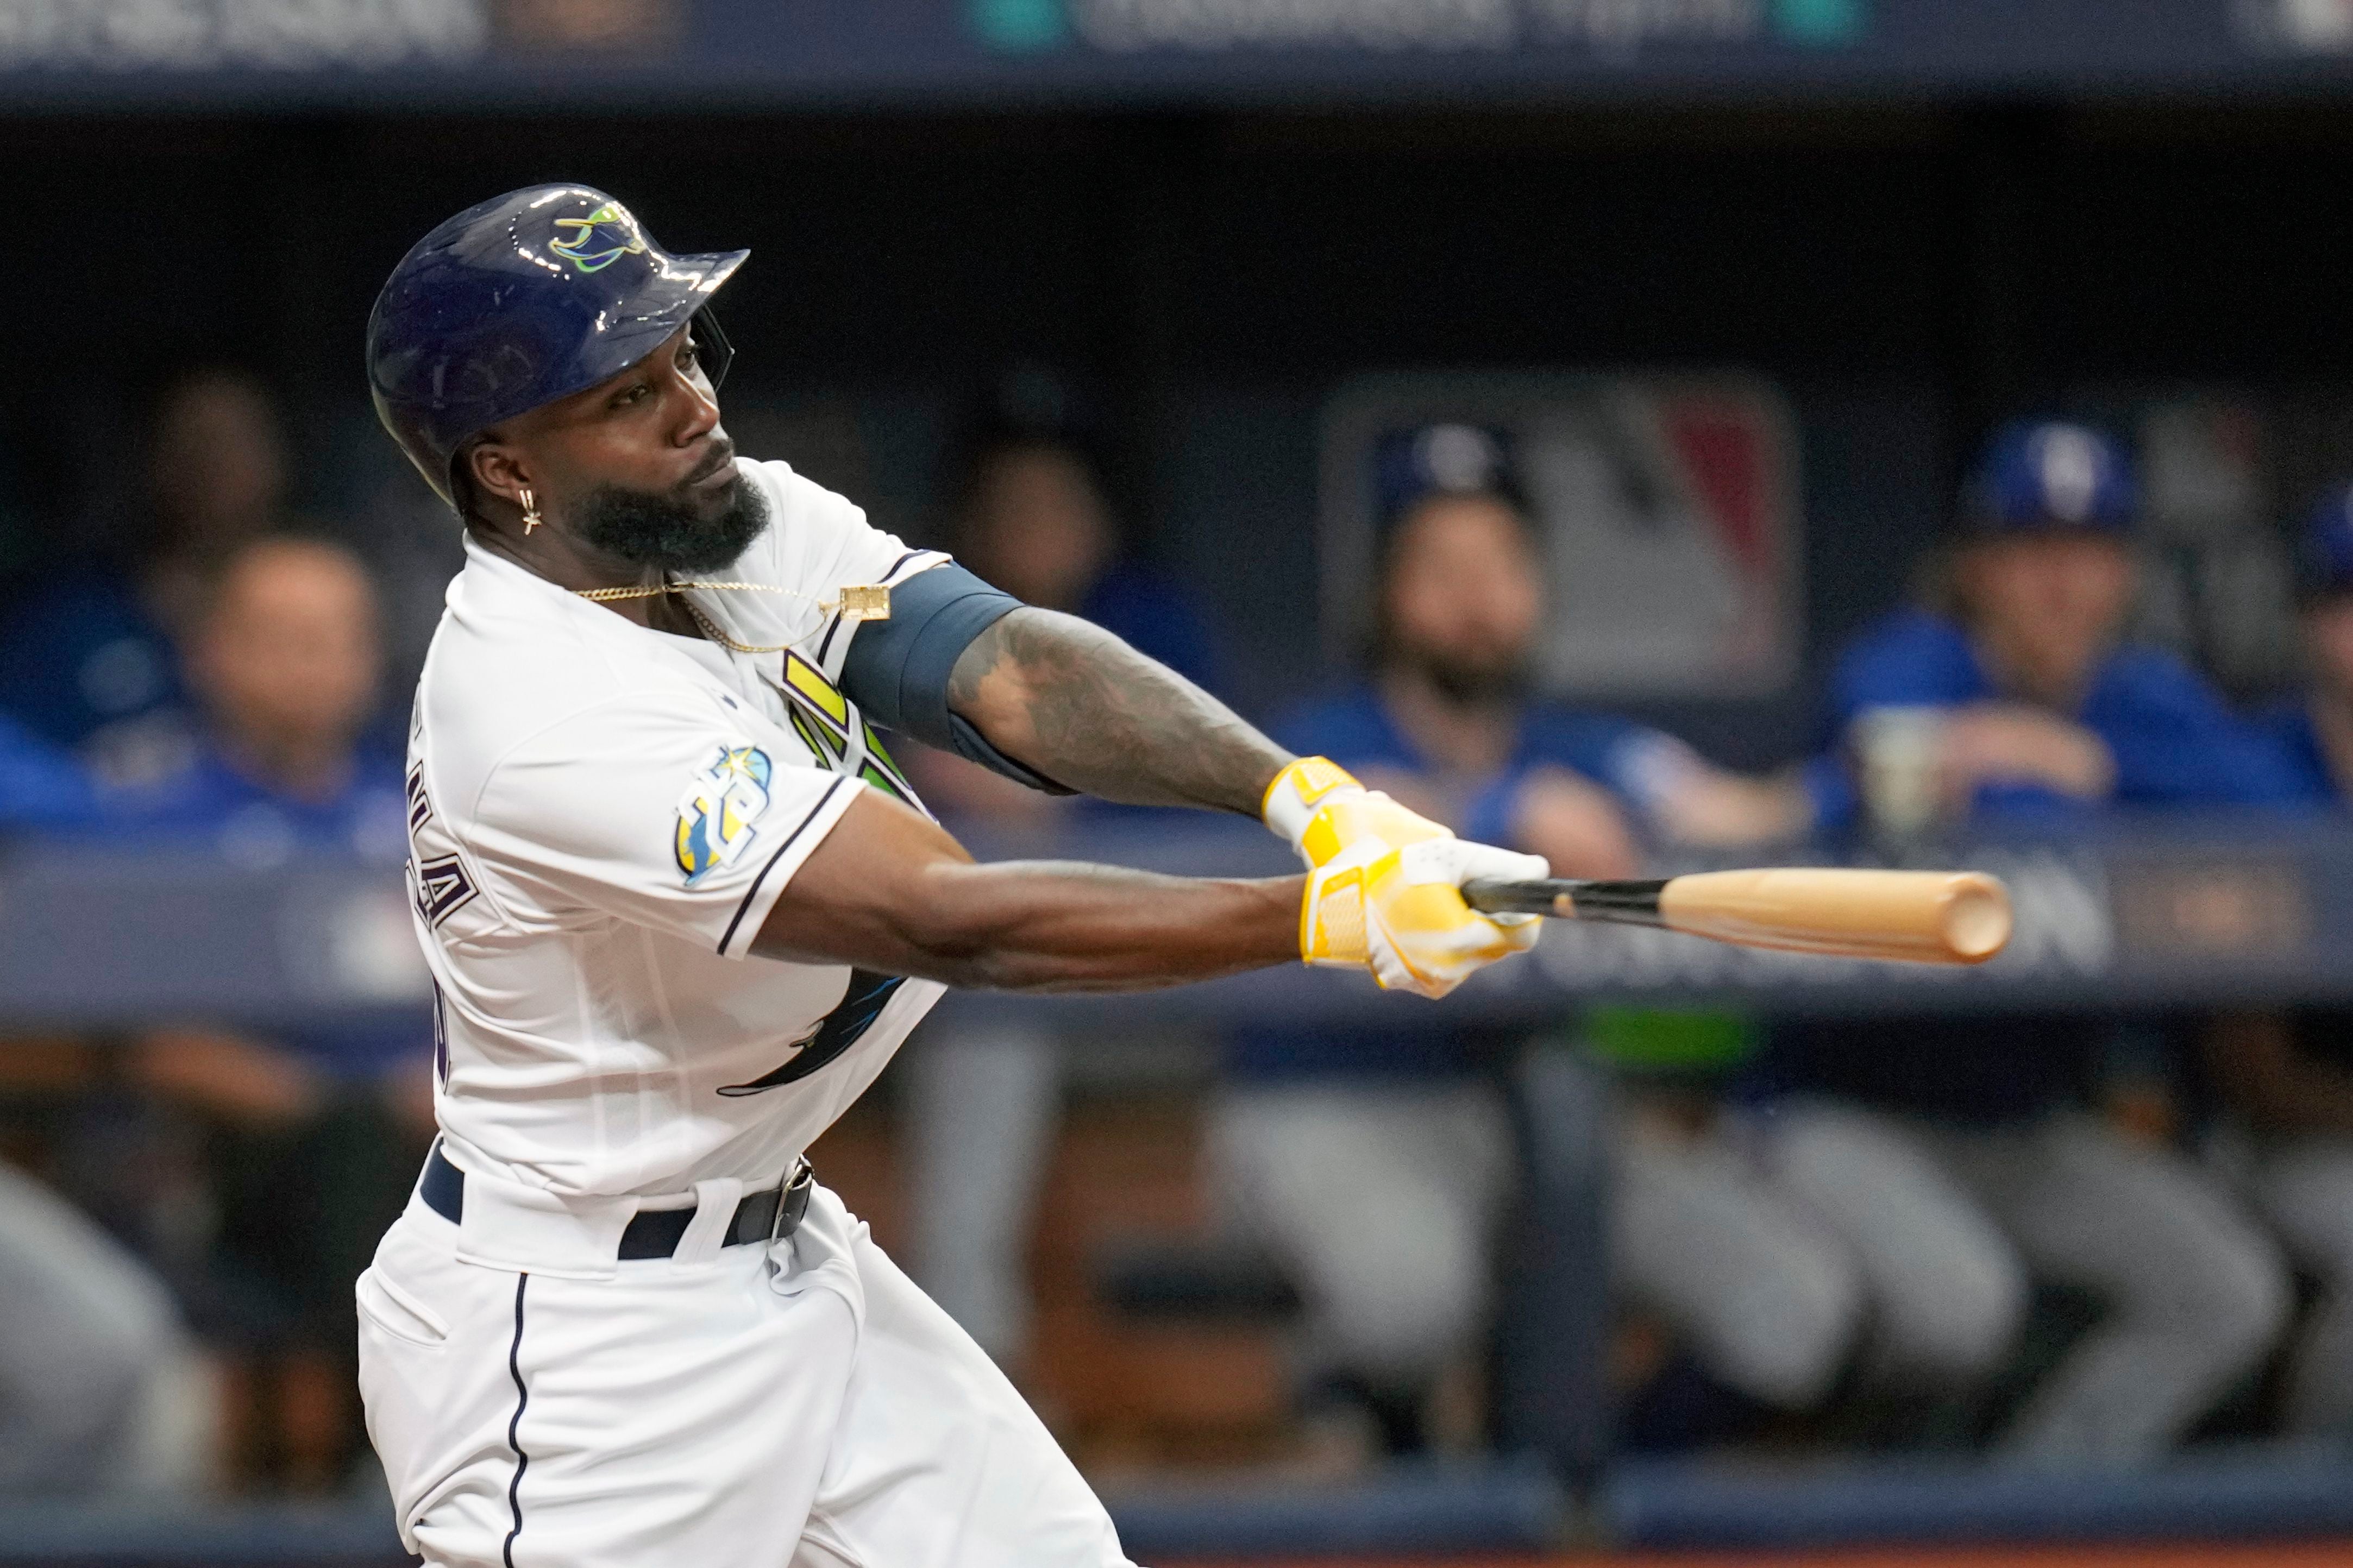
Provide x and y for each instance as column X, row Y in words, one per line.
column 1466, row 684
column 667, row 533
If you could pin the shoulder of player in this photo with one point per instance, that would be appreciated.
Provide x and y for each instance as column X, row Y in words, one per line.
column 2143, row 674
column 1344, row 723
column 1639, row 761
column 485, row 703
column 814, row 531
column 1911, row 632
column 2287, row 718
column 795, row 500
column 1547, row 724
column 1910, row 655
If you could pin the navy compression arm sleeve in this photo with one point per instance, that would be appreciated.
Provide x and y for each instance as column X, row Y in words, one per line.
column 897, row 670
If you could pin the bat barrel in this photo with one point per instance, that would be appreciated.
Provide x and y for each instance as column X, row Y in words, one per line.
column 1932, row 916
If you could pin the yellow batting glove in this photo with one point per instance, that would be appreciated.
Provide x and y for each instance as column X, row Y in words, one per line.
column 1383, row 884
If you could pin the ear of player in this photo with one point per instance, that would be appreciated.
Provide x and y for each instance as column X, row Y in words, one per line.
column 1383, row 885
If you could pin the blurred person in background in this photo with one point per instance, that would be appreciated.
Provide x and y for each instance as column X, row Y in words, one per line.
column 2287, row 1077
column 101, row 1392
column 87, row 656
column 42, row 787
column 1962, row 1161
column 291, row 1148
column 1029, row 517
column 1376, row 1166
column 2043, row 712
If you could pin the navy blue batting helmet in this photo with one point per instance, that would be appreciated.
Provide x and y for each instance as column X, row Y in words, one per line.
column 527, row 298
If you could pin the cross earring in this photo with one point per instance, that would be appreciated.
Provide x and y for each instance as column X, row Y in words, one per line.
column 531, row 518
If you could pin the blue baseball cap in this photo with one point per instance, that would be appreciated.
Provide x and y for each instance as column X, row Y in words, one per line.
column 2040, row 476
column 1410, row 467
column 2324, row 565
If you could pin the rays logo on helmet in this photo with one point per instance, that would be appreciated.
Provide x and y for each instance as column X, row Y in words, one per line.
column 716, row 814
column 601, row 238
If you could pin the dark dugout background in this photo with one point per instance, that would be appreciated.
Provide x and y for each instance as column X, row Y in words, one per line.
column 1202, row 280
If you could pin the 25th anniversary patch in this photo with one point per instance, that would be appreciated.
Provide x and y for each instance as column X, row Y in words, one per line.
column 717, row 813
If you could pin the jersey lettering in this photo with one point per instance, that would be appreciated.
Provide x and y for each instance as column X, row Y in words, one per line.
column 442, row 889
column 420, row 804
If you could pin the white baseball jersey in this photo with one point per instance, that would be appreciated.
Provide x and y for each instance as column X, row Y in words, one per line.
column 600, row 818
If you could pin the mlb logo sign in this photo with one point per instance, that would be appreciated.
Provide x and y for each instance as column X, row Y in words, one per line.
column 1667, row 504
column 2317, row 26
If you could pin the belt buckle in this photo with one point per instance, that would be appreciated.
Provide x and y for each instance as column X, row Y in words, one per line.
column 802, row 1174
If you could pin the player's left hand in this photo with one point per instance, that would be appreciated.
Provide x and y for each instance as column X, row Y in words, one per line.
column 1383, row 885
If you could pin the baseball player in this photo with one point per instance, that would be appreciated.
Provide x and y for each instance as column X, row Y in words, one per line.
column 681, row 908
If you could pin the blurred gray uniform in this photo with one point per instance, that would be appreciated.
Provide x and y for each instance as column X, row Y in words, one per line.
column 1784, row 1247
column 99, row 1389
column 2304, row 1186
column 1388, row 1204
column 1384, row 1198
column 1766, row 1296
column 1945, row 1227
column 1380, row 1203
column 1383, row 1203
column 983, row 1103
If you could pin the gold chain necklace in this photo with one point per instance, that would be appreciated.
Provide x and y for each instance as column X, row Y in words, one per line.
column 858, row 602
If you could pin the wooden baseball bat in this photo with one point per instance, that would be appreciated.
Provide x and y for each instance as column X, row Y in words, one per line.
column 1926, row 917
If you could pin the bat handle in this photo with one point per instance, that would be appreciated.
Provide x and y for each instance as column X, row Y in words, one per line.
column 1492, row 897
column 1628, row 903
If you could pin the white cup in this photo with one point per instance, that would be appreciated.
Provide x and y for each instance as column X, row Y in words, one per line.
column 1897, row 749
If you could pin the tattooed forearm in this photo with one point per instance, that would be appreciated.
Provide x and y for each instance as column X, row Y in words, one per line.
column 1087, row 710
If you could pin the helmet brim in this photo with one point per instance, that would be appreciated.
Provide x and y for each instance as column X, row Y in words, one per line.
column 669, row 301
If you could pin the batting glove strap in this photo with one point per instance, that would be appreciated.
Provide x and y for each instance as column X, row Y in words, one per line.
column 1299, row 791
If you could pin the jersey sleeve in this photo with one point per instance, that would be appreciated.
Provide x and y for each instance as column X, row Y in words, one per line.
column 670, row 813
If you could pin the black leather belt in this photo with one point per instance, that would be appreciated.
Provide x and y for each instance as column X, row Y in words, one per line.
column 769, row 1215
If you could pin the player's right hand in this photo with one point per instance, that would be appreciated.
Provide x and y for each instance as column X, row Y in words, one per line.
column 1383, row 884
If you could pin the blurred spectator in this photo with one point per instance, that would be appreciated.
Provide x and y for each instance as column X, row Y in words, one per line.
column 982, row 1102
column 100, row 1394
column 41, row 788
column 1032, row 519
column 1963, row 1158
column 2289, row 1078
column 1377, row 1165
column 87, row 657
column 2040, row 711
column 308, row 1139
column 1029, row 516
column 2314, row 728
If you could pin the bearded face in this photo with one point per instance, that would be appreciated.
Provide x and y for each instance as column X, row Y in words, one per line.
column 672, row 532
column 1464, row 599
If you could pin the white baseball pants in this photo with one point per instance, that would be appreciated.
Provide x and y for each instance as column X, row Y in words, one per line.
column 800, row 1404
